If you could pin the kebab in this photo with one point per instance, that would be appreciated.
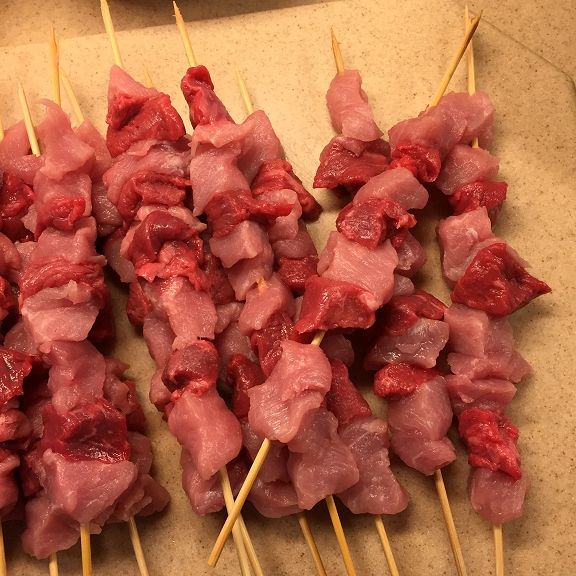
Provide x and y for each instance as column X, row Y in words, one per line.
column 198, row 91
column 148, row 191
column 485, row 373
column 38, row 261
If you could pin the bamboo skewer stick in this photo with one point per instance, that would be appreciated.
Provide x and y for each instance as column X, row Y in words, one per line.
column 137, row 546
column 1, row 130
column 236, row 530
column 55, row 66
column 184, row 35
column 78, row 114
column 86, row 550
column 471, row 83
column 339, row 61
column 109, row 26
column 3, row 569
column 53, row 565
column 309, row 537
column 392, row 566
column 456, row 60
column 340, row 536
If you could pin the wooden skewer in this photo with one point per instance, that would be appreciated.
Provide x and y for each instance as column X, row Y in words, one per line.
column 28, row 121
column 109, row 25
column 137, row 545
column 456, row 59
column 86, row 550
column 1, row 130
column 236, row 530
column 53, row 565
column 55, row 66
column 392, row 566
column 337, row 53
column 471, row 69
column 340, row 536
column 149, row 83
column 78, row 114
column 184, row 35
column 3, row 570
column 450, row 525
column 309, row 537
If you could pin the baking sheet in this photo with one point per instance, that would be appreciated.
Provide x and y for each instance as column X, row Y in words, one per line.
column 401, row 50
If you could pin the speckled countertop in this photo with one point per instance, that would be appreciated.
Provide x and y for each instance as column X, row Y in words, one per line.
column 525, row 61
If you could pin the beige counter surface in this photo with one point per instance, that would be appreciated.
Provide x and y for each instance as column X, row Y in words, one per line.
column 401, row 48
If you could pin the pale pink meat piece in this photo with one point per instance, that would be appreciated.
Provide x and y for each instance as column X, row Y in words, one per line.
column 159, row 338
column 14, row 154
column 372, row 270
column 230, row 342
column 64, row 313
column 483, row 346
column 159, row 395
column 398, row 184
column 122, row 266
column 274, row 468
column 77, row 373
column 247, row 240
column 478, row 111
column 490, row 393
column 411, row 255
column 214, row 170
column 122, row 85
column 163, row 158
column 88, row 133
column 246, row 273
column 377, row 491
column 255, row 138
column 63, row 150
column 420, row 345
column 300, row 246
column 262, row 302
column 207, row 429
column 85, row 489
column 337, row 347
column 227, row 313
column 465, row 165
column 419, row 424
column 48, row 529
column 349, row 109
column 320, row 463
column 105, row 213
column 274, row 499
column 296, row 386
column 176, row 295
column 8, row 486
column 497, row 497
column 461, row 237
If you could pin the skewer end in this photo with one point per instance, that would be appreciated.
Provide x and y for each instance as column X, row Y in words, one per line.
column 337, row 52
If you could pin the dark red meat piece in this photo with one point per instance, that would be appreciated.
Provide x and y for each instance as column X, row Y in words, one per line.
column 489, row 193
column 194, row 367
column 61, row 213
column 132, row 121
column 227, row 209
column 205, row 106
column 103, row 330
column 404, row 311
column 218, row 285
column 295, row 271
column 30, row 468
column 150, row 188
column 138, row 305
column 330, row 304
column 424, row 162
column 491, row 440
column 397, row 380
column 14, row 367
column 7, row 299
column 278, row 175
column 15, row 199
column 497, row 283
column 343, row 399
column 58, row 272
column 241, row 375
column 90, row 431
column 340, row 166
column 372, row 221
column 267, row 341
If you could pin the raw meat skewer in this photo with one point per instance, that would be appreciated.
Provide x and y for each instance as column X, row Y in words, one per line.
column 302, row 519
column 245, row 549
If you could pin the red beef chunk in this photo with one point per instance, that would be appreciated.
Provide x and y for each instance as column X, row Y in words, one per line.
column 294, row 272
column 489, row 193
column 372, row 221
column 491, row 440
column 241, row 375
column 497, row 282
column 343, row 399
column 205, row 106
column 194, row 367
column 351, row 166
column 330, row 304
column 395, row 381
column 278, row 175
